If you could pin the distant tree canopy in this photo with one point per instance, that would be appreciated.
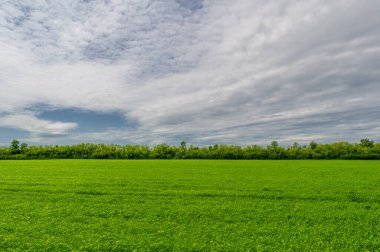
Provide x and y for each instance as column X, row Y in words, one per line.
column 14, row 148
column 366, row 149
column 367, row 143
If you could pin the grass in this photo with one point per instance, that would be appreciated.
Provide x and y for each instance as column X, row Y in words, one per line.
column 189, row 205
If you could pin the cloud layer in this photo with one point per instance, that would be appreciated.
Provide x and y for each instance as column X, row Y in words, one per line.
column 211, row 71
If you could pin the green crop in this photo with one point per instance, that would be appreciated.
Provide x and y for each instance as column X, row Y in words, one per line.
column 189, row 205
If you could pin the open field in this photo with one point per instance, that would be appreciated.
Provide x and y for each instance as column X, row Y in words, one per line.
column 182, row 205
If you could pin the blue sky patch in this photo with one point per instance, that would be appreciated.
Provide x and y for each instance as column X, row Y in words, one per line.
column 8, row 134
column 88, row 121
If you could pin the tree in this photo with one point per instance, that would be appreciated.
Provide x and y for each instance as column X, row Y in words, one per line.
column 313, row 145
column 275, row 151
column 366, row 143
column 366, row 149
column 296, row 145
column 15, row 147
column 183, row 144
column 23, row 147
column 274, row 144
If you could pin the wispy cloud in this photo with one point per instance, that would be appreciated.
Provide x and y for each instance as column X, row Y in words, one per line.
column 204, row 71
column 28, row 122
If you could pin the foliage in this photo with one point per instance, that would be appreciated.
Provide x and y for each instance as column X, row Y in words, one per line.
column 189, row 205
column 366, row 149
column 366, row 143
column 14, row 148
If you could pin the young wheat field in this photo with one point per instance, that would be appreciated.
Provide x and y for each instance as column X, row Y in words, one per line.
column 189, row 205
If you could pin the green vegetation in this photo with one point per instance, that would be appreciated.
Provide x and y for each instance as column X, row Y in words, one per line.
column 366, row 149
column 189, row 205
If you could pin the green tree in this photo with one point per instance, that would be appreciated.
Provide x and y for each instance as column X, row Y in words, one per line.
column 274, row 144
column 23, row 147
column 313, row 145
column 183, row 144
column 15, row 147
column 366, row 143
column 275, row 151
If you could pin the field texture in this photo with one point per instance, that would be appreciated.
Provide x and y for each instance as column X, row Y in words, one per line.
column 180, row 205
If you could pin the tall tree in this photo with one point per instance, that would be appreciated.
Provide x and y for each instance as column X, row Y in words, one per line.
column 366, row 143
column 15, row 147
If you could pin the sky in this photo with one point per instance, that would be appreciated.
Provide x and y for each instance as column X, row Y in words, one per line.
column 207, row 72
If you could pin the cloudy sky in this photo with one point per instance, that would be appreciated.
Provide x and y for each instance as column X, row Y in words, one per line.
column 204, row 71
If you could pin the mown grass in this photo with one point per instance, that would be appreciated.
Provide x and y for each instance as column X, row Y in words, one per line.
column 189, row 205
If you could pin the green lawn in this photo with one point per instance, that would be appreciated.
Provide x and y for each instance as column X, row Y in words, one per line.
column 189, row 205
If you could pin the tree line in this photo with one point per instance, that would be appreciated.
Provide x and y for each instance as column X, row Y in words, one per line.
column 366, row 149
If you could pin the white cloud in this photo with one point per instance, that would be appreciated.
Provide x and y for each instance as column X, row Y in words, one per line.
column 234, row 72
column 29, row 122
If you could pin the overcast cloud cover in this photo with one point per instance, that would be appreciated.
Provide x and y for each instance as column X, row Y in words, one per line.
column 213, row 71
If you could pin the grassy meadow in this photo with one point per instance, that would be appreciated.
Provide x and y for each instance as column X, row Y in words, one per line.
column 189, row 205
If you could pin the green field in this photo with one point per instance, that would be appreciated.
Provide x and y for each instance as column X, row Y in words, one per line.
column 189, row 205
